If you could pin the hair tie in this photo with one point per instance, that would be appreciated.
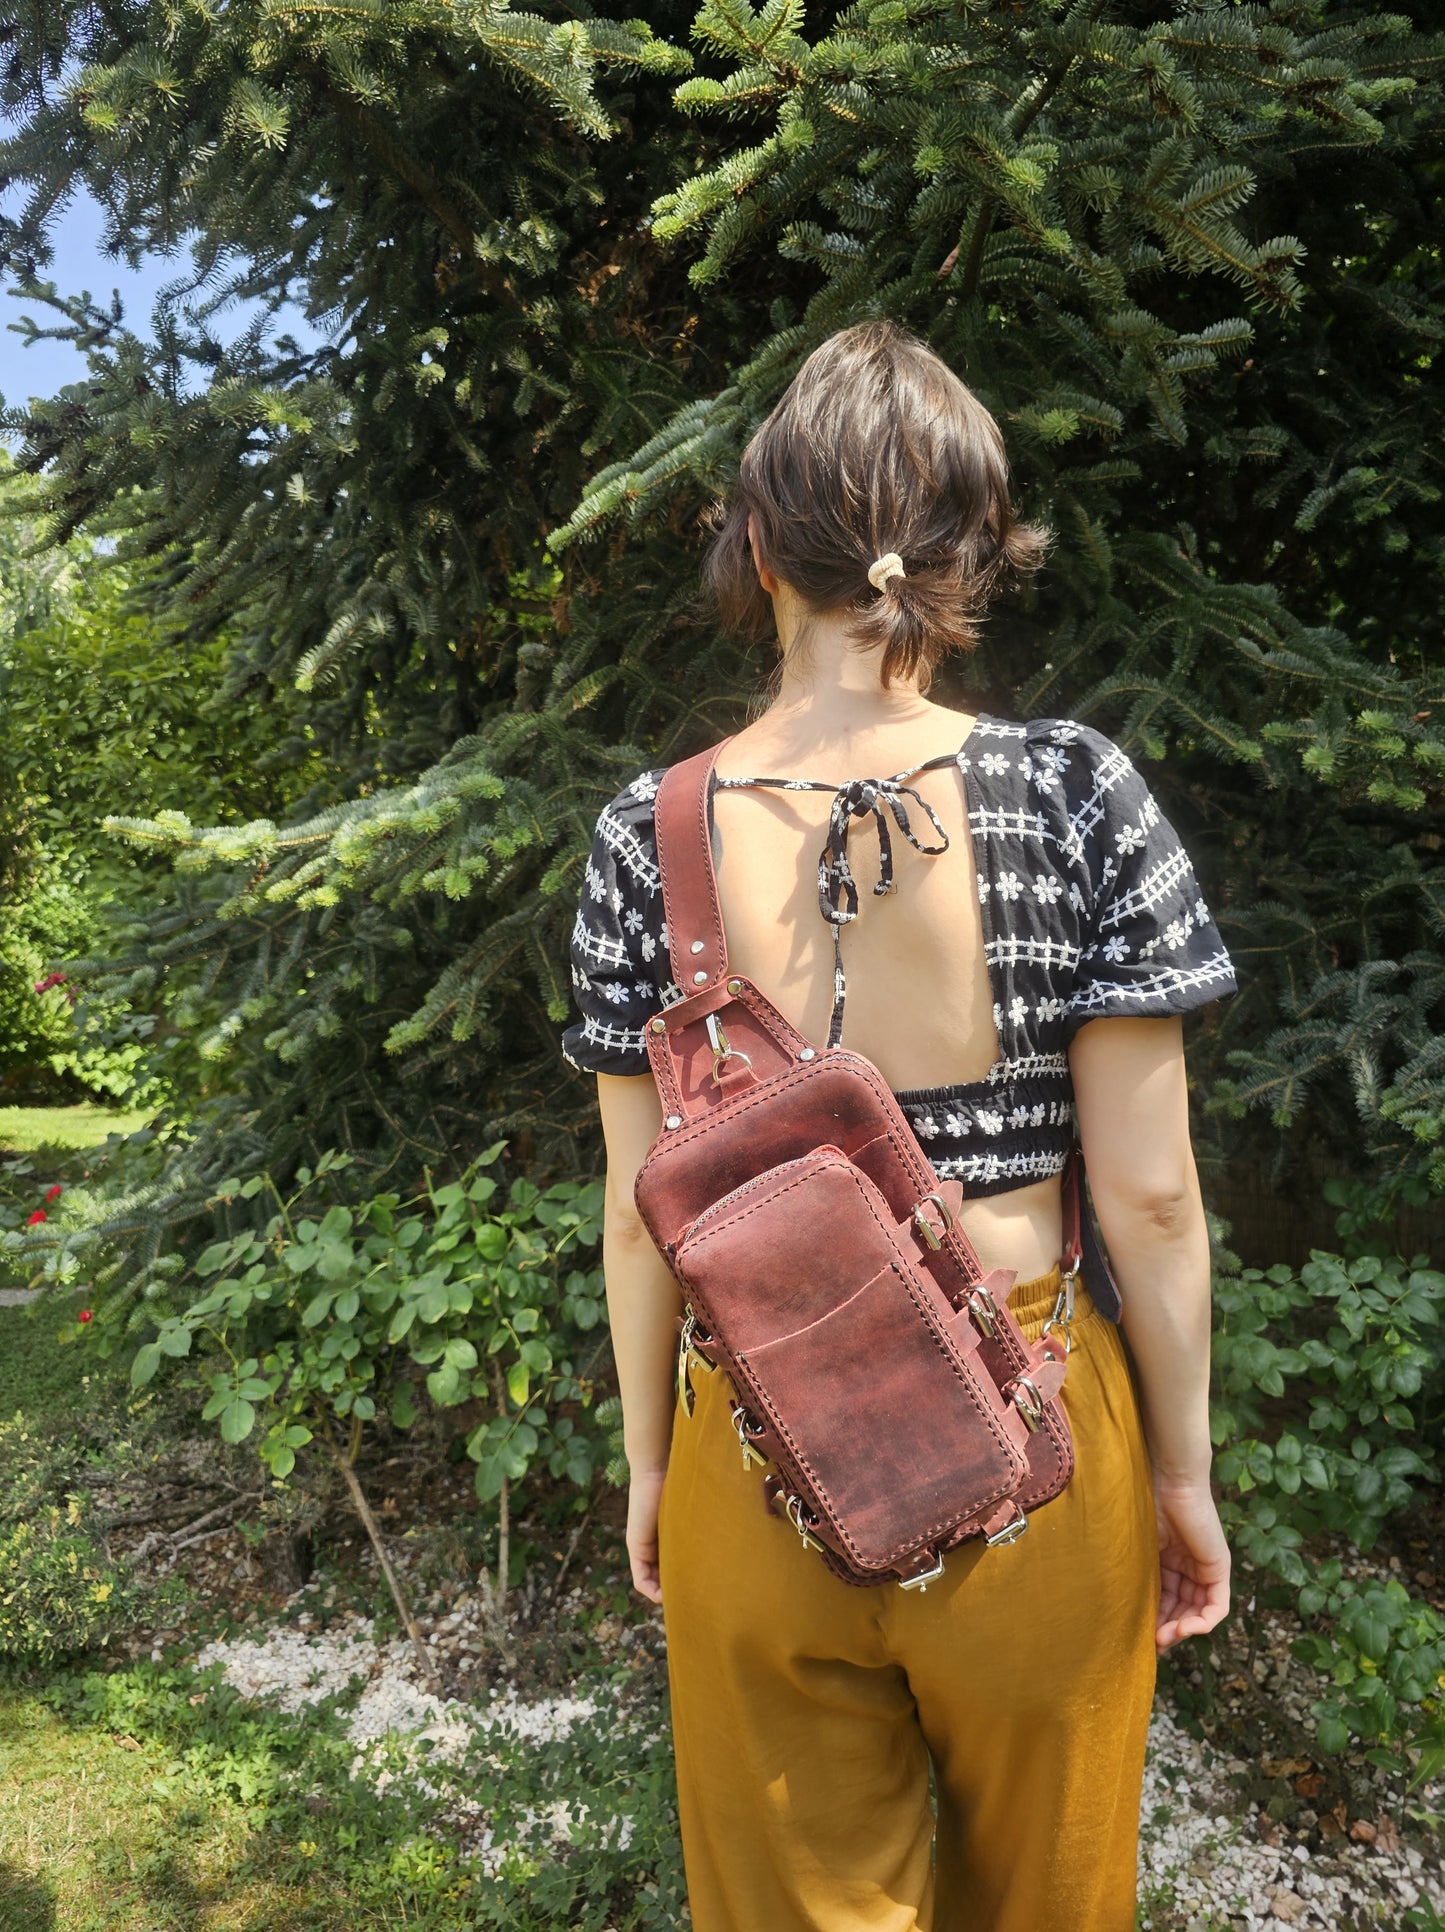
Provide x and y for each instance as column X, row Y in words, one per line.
column 888, row 565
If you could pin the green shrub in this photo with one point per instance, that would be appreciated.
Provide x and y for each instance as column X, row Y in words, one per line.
column 1320, row 1376
column 60, row 1593
column 324, row 1317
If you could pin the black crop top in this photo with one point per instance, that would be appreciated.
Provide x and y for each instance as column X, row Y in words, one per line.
column 1090, row 909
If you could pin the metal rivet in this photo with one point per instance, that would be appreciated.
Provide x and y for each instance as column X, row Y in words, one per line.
column 735, row 986
column 697, row 945
column 699, row 979
column 659, row 1026
column 808, row 1053
column 674, row 1120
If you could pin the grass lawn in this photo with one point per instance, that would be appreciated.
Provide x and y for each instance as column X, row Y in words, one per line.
column 95, row 1836
column 23, row 1130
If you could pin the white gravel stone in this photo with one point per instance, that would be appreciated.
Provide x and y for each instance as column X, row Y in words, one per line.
column 399, row 1727
column 1207, row 1862
column 1203, row 1855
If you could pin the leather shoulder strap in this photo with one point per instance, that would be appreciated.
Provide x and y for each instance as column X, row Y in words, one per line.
column 696, row 942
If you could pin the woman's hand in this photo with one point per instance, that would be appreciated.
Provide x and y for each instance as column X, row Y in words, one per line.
column 1193, row 1561
column 644, row 1491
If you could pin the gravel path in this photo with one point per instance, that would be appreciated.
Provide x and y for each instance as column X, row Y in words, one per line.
column 1201, row 1852
column 1205, row 1856
column 17, row 1297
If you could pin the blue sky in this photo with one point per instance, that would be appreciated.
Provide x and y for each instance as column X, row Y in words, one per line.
column 45, row 367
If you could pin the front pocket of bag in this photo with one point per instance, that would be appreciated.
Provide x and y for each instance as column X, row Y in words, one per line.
column 886, row 1417
column 787, row 1248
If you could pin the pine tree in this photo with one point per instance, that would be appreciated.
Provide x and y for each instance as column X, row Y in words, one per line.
column 1188, row 255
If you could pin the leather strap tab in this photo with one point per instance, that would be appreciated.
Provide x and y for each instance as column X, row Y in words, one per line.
column 696, row 943
column 927, row 1214
column 1082, row 1249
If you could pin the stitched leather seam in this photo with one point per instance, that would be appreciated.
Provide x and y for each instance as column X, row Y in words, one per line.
column 959, row 1367
column 712, row 913
column 814, row 1165
column 815, row 1482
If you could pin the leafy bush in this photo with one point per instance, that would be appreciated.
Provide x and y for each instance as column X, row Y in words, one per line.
column 60, row 1593
column 323, row 1317
column 1320, row 1377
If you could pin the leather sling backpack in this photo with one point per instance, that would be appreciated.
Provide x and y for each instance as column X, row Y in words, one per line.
column 882, row 1384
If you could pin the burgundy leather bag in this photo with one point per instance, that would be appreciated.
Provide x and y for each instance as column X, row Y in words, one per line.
column 882, row 1383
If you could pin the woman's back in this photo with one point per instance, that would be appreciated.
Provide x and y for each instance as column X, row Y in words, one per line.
column 919, row 998
column 1035, row 885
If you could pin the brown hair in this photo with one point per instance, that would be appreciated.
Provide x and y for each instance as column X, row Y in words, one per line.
column 876, row 445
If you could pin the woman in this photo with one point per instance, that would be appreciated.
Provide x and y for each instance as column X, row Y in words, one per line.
column 1031, row 973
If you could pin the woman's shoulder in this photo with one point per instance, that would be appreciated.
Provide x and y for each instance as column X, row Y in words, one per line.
column 1056, row 762
column 622, row 871
column 635, row 801
column 1072, row 787
column 1071, row 738
column 625, row 822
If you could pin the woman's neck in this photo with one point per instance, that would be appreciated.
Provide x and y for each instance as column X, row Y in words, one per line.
column 827, row 681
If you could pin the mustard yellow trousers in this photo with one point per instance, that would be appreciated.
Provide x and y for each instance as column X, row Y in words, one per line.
column 806, row 1711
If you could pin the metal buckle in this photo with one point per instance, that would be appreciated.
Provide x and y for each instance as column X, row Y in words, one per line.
column 684, row 1387
column 922, row 1581
column 984, row 1309
column 1063, row 1310
column 1028, row 1401
column 1011, row 1532
column 687, row 1355
column 696, row 1338
column 794, row 1506
column 741, row 1419
column 925, row 1227
column 721, row 1051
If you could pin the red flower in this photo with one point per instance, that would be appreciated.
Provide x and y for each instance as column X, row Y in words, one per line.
column 38, row 1215
column 85, row 1314
column 53, row 1193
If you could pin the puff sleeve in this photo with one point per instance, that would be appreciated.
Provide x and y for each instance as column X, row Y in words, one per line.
column 1149, row 944
column 619, row 958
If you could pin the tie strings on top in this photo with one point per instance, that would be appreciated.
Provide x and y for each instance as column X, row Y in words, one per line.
column 837, row 887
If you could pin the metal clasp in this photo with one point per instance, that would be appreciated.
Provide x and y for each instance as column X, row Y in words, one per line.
column 794, row 1506
column 922, row 1581
column 1028, row 1401
column 742, row 1419
column 984, row 1309
column 1011, row 1532
column 687, row 1355
column 1063, row 1310
column 721, row 1051
column 696, row 1337
column 925, row 1227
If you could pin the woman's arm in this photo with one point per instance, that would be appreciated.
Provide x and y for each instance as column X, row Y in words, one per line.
column 643, row 1303
column 1132, row 1101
